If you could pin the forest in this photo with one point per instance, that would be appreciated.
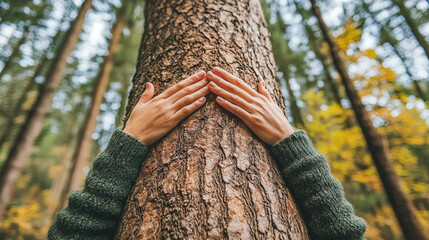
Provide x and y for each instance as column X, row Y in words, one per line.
column 353, row 74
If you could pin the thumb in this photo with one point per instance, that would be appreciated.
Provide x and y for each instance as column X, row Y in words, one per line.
column 148, row 93
column 262, row 90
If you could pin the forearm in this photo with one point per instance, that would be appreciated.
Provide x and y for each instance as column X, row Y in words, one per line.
column 318, row 193
column 95, row 211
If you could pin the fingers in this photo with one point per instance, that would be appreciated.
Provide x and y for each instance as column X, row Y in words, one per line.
column 182, row 84
column 188, row 99
column 236, row 100
column 262, row 90
column 185, row 92
column 234, row 80
column 229, row 87
column 147, row 94
column 234, row 109
column 189, row 109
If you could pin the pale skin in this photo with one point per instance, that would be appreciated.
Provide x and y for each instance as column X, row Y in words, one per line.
column 154, row 117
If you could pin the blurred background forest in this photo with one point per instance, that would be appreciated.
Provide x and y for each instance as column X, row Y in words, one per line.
column 384, row 45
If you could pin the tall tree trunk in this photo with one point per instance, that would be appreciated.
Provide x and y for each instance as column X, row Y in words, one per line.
column 386, row 36
column 15, row 52
column 31, row 82
column 210, row 177
column 58, row 183
column 394, row 44
column 283, row 59
column 315, row 44
column 378, row 148
column 124, row 96
column 23, row 145
column 405, row 12
column 84, row 141
column 296, row 112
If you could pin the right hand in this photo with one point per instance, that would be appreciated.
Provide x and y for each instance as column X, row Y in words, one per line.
column 152, row 118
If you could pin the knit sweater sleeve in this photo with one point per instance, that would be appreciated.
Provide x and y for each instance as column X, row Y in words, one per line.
column 95, row 211
column 319, row 195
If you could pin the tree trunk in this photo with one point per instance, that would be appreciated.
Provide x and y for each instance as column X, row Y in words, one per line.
column 15, row 51
column 210, row 177
column 315, row 43
column 394, row 45
column 378, row 148
column 124, row 96
column 23, row 145
column 386, row 36
column 296, row 112
column 31, row 82
column 283, row 59
column 58, row 183
column 84, row 141
column 405, row 12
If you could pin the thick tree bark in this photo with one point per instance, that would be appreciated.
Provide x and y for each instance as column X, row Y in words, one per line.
column 210, row 177
column 15, row 52
column 84, row 141
column 405, row 12
column 23, row 145
column 378, row 148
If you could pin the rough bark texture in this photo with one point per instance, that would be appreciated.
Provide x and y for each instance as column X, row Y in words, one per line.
column 378, row 148
column 84, row 141
column 23, row 145
column 210, row 177
column 406, row 13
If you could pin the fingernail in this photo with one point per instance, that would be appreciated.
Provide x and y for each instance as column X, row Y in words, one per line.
column 212, row 84
column 201, row 74
column 217, row 68
column 210, row 74
column 263, row 83
column 202, row 99
column 220, row 99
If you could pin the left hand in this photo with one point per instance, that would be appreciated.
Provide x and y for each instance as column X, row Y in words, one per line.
column 257, row 109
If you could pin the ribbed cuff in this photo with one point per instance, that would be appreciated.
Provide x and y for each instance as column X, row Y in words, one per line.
column 295, row 146
column 126, row 147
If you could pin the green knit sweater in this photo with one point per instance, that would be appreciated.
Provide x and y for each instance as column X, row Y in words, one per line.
column 95, row 211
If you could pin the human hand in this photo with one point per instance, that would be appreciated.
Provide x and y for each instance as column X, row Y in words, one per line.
column 257, row 109
column 152, row 118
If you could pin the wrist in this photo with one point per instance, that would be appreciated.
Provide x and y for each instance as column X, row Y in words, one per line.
column 133, row 134
column 285, row 132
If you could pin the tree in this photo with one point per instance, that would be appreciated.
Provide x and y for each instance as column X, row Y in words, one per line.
column 387, row 37
column 377, row 146
column 23, row 145
column 15, row 52
column 405, row 12
column 6, row 132
column 84, row 141
column 210, row 177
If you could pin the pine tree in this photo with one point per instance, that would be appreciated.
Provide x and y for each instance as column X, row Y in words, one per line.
column 23, row 145
column 377, row 146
